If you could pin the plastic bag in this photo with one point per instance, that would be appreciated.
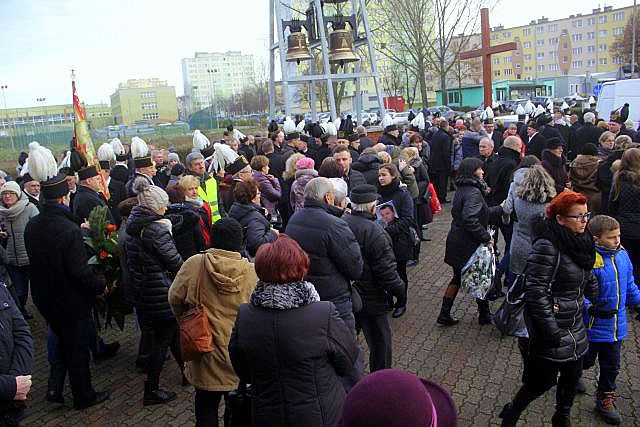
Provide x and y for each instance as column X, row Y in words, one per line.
column 509, row 319
column 479, row 271
column 435, row 202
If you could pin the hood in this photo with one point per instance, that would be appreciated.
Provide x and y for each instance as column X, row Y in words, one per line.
column 584, row 168
column 366, row 162
column 182, row 214
column 606, row 252
column 140, row 217
column 311, row 172
column 518, row 176
column 226, row 270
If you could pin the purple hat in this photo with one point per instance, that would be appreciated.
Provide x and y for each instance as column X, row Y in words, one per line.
column 305, row 163
column 392, row 397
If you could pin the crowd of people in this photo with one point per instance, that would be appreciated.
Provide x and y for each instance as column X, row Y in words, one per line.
column 293, row 242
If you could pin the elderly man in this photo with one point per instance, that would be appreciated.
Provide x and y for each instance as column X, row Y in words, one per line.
column 471, row 139
column 379, row 279
column 88, row 194
column 208, row 189
column 588, row 133
column 616, row 125
column 31, row 188
column 365, row 142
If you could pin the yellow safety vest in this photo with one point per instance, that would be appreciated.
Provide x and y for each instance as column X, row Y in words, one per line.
column 209, row 195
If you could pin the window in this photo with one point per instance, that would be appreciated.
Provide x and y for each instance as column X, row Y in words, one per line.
column 618, row 31
column 526, row 32
column 552, row 28
column 602, row 19
column 576, row 64
column 577, row 50
column 507, row 60
column 591, row 49
column 602, row 33
column 506, row 35
column 540, row 55
column 603, row 61
column 553, row 40
column 496, row 73
column 617, row 45
column 617, row 60
column 527, row 69
column 453, row 97
column 508, row 72
column 565, row 59
column 553, row 54
column 618, row 16
column 591, row 63
column 527, row 45
column 150, row 116
column 540, row 42
column 496, row 61
column 150, row 106
column 527, row 57
column 146, row 95
column 577, row 37
column 539, row 29
column 517, row 65
column 494, row 37
column 602, row 48
column 553, row 67
column 576, row 23
column 540, row 68
column 591, row 21
column 591, row 35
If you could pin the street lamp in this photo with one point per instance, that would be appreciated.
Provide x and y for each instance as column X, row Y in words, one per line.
column 6, row 111
column 212, row 94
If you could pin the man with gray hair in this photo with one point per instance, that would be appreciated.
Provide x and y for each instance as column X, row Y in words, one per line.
column 589, row 133
column 365, row 142
column 379, row 279
column 333, row 251
column 208, row 188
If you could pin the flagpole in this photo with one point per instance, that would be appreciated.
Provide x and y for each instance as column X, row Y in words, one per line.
column 73, row 93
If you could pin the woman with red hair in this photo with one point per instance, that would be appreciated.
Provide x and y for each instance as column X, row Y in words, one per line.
column 290, row 346
column 558, row 275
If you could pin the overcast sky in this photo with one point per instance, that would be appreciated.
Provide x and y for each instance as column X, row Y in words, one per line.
column 108, row 42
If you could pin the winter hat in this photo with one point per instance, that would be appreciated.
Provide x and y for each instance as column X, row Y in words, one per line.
column 305, row 163
column 173, row 156
column 364, row 193
column 11, row 187
column 226, row 234
column 177, row 170
column 150, row 196
column 392, row 397
column 554, row 143
column 589, row 149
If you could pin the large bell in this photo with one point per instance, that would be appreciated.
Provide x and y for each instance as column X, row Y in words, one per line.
column 297, row 48
column 341, row 47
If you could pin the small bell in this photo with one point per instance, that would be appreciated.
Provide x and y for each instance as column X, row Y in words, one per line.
column 341, row 47
column 297, row 48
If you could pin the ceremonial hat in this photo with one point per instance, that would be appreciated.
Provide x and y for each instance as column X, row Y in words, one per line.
column 364, row 193
column 235, row 167
column 202, row 143
column 353, row 137
column 391, row 128
column 292, row 136
column 487, row 116
column 43, row 168
column 140, row 153
column 65, row 165
column 87, row 172
column 418, row 122
column 386, row 121
column 105, row 156
column 620, row 115
column 118, row 149
column 520, row 112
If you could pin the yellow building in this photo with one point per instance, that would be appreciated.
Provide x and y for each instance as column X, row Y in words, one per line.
column 98, row 116
column 149, row 100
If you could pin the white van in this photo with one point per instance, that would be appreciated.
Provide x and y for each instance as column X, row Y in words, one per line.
column 613, row 96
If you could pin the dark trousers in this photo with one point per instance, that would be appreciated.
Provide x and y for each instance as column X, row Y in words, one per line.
column 345, row 311
column 377, row 332
column 206, row 406
column 540, row 375
column 164, row 335
column 20, row 279
column 608, row 355
column 72, row 353
column 440, row 179
column 401, row 268
column 57, row 371
column 633, row 248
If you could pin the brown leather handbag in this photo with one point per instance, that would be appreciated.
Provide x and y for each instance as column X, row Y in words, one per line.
column 195, row 330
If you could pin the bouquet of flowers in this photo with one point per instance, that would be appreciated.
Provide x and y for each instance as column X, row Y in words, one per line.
column 478, row 272
column 102, row 242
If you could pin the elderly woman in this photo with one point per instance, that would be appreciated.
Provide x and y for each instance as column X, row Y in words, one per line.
column 270, row 191
column 558, row 276
column 226, row 281
column 606, row 143
column 583, row 173
column 290, row 346
column 15, row 213
column 247, row 211
column 190, row 185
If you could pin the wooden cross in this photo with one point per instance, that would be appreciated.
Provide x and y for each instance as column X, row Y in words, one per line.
column 485, row 52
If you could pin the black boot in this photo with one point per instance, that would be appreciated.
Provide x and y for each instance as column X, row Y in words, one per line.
column 561, row 417
column 154, row 395
column 445, row 318
column 484, row 313
column 512, row 410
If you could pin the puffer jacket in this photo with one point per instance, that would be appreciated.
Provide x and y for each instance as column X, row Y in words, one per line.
column 422, row 178
column 605, row 179
column 583, row 173
column 257, row 229
column 626, row 208
column 368, row 165
column 471, row 217
column 554, row 317
column 296, row 197
column 16, row 346
column 270, row 191
column 185, row 229
column 618, row 290
column 379, row 280
column 14, row 220
column 400, row 229
column 151, row 257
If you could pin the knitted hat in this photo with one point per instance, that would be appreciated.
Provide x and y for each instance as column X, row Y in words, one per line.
column 589, row 149
column 173, row 156
column 305, row 163
column 11, row 187
column 364, row 193
column 150, row 196
column 177, row 170
column 226, row 234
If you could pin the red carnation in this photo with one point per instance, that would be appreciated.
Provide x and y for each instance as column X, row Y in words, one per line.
column 103, row 254
column 110, row 228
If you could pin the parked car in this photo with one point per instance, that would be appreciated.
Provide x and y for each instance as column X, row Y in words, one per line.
column 445, row 111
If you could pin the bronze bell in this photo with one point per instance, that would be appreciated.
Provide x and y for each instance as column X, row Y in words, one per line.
column 341, row 47
column 297, row 48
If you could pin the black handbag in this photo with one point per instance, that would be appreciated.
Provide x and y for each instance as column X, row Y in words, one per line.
column 240, row 403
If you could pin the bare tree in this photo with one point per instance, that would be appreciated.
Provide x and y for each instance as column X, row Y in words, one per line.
column 621, row 47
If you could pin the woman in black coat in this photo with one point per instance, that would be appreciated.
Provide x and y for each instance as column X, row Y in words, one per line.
column 558, row 276
column 151, row 257
column 471, row 217
column 400, row 222
column 247, row 211
column 290, row 346
column 553, row 162
column 185, row 223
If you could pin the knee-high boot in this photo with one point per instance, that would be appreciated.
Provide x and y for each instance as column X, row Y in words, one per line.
column 445, row 318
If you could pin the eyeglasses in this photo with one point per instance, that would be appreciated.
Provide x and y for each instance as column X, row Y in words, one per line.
column 580, row 217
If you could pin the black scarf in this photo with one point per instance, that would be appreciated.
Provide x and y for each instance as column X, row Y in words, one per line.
column 579, row 247
column 387, row 191
column 472, row 181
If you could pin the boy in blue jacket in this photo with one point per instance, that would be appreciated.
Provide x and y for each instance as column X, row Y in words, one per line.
column 606, row 317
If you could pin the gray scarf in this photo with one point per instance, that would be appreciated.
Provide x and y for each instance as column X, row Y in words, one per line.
column 15, row 210
column 284, row 296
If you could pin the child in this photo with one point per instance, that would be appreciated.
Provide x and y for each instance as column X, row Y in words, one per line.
column 606, row 317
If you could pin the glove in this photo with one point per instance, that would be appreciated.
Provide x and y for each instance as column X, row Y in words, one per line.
column 600, row 313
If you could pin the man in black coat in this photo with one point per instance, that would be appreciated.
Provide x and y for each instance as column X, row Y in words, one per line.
column 493, row 133
column 391, row 136
column 365, row 142
column 64, row 287
column 379, row 281
column 535, row 141
column 588, row 133
column 88, row 195
column 440, row 160
column 368, row 164
column 352, row 177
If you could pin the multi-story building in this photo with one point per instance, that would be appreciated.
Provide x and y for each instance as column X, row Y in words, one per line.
column 98, row 115
column 150, row 100
column 211, row 76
